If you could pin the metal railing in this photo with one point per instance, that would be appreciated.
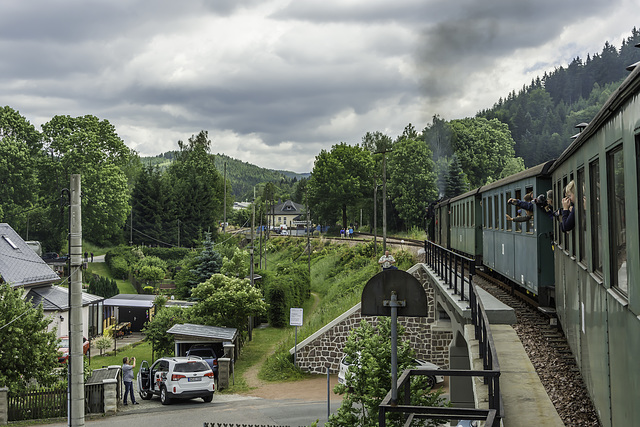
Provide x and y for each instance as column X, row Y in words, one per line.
column 451, row 268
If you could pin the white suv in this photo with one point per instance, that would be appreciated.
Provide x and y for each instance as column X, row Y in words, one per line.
column 176, row 378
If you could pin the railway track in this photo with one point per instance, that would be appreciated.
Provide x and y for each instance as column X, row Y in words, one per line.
column 549, row 353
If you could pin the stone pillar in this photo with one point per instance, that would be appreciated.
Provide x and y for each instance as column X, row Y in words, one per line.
column 110, row 396
column 460, row 388
column 4, row 406
column 224, row 372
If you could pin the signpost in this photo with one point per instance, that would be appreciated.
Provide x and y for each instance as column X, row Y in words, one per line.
column 295, row 319
column 394, row 293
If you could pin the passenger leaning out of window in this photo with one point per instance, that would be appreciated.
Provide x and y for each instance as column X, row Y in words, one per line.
column 525, row 208
column 568, row 211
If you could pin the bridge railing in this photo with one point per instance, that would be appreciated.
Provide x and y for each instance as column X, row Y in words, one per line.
column 455, row 269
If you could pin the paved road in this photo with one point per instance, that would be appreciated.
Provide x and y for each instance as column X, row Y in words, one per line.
column 224, row 409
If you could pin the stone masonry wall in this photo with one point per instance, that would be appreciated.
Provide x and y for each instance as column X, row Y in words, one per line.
column 429, row 344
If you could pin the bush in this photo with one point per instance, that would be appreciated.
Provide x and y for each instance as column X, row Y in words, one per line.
column 276, row 296
column 103, row 343
column 119, row 267
column 280, row 367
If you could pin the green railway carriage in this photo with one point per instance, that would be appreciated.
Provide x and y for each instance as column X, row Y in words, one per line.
column 598, row 262
column 466, row 224
column 519, row 251
column 442, row 217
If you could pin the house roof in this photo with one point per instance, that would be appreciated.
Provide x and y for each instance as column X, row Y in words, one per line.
column 56, row 298
column 202, row 331
column 131, row 300
column 19, row 264
column 287, row 208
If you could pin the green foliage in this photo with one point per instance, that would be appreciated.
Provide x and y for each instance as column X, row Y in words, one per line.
column 197, row 188
column 102, row 286
column 103, row 343
column 156, row 330
column 91, row 147
column 226, row 301
column 208, row 263
column 456, row 181
column 154, row 209
column 412, row 183
column 369, row 378
column 341, row 176
column 278, row 303
column 280, row 367
column 28, row 351
column 483, row 147
column 119, row 267
column 149, row 273
column 237, row 266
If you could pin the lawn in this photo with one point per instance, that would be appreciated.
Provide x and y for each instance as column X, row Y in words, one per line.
column 140, row 350
column 101, row 269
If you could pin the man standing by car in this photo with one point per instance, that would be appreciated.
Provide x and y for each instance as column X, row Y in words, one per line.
column 127, row 378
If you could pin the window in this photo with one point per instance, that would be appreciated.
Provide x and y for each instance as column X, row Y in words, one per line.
column 472, row 216
column 518, row 224
column 502, row 217
column 596, row 225
column 508, row 211
column 10, row 242
column 572, row 236
column 581, row 210
column 529, row 223
column 484, row 216
column 490, row 210
column 617, row 222
column 496, row 210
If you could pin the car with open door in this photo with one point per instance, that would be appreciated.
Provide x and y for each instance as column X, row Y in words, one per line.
column 176, row 378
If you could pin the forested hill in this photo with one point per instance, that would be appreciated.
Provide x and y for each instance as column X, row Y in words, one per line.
column 542, row 116
column 241, row 175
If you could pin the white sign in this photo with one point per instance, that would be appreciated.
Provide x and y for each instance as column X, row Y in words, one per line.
column 295, row 317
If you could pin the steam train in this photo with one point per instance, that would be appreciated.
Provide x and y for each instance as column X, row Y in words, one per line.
column 590, row 274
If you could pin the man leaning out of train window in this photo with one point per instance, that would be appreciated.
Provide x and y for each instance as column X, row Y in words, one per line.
column 526, row 208
column 568, row 218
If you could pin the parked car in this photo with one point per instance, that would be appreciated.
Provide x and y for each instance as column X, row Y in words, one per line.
column 347, row 361
column 207, row 354
column 63, row 348
column 176, row 378
column 50, row 256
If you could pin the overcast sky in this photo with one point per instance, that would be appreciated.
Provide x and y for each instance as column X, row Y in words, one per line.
column 276, row 81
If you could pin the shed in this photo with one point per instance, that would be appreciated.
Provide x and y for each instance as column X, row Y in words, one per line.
column 187, row 334
column 134, row 308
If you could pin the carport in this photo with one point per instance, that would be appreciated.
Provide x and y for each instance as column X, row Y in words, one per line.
column 188, row 334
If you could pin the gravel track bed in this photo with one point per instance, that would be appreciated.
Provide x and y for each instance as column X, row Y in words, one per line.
column 553, row 360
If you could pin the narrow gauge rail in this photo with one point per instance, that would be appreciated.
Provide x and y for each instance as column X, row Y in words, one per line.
column 549, row 352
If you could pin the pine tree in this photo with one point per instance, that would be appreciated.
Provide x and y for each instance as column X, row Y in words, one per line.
column 456, row 179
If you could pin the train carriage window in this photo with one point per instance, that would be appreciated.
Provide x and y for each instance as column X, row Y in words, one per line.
column 572, row 236
column 502, row 217
column 473, row 213
column 485, row 220
column 581, row 210
column 617, row 221
column 518, row 225
column 529, row 223
column 508, row 211
column 496, row 214
column 490, row 211
column 596, row 225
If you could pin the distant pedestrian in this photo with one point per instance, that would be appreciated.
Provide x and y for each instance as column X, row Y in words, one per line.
column 86, row 256
column 351, row 232
column 342, row 233
column 91, row 256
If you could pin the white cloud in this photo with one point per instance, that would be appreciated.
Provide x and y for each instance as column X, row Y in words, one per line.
column 274, row 82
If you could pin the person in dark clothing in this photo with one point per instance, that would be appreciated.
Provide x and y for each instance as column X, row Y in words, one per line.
column 525, row 211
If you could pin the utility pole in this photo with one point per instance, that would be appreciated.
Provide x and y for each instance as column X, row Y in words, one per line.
column 224, row 220
column 384, row 197
column 308, row 238
column 131, row 227
column 375, row 215
column 76, row 364
column 253, row 225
